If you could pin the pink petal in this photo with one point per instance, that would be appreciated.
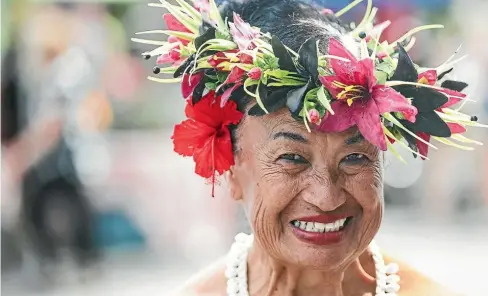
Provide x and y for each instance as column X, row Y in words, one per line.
column 202, row 6
column 337, row 49
column 349, row 73
column 235, row 75
column 189, row 83
column 423, row 148
column 164, row 59
column 226, row 95
column 243, row 33
column 340, row 121
column 430, row 75
column 369, row 124
column 366, row 77
column 245, row 58
column 245, row 28
column 174, row 24
column 456, row 128
column 452, row 101
column 328, row 81
column 454, row 97
column 326, row 11
column 173, row 39
column 389, row 100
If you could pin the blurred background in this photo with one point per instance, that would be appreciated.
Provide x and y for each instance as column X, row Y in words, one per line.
column 95, row 201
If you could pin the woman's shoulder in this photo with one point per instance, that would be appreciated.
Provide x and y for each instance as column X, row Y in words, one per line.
column 414, row 283
column 210, row 281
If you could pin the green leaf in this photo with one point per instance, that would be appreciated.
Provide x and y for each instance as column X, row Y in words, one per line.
column 222, row 35
column 392, row 149
column 311, row 94
column 287, row 83
column 261, row 92
column 270, row 62
column 249, row 82
column 277, row 73
column 211, row 85
column 190, row 10
column 400, row 142
column 449, row 143
column 215, row 15
column 184, row 51
column 182, row 35
column 386, row 67
column 324, row 100
column 222, row 76
column 381, row 77
column 212, row 77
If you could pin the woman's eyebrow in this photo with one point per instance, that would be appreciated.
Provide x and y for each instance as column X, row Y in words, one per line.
column 290, row 136
column 355, row 139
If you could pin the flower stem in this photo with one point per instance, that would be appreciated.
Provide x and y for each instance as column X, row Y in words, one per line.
column 347, row 8
column 414, row 31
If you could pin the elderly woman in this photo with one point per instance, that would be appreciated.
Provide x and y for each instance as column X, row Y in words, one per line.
column 295, row 110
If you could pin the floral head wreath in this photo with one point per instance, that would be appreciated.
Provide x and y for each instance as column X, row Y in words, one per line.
column 388, row 97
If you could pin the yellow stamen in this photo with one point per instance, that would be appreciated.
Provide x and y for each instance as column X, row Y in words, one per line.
column 339, row 84
column 350, row 92
column 423, row 80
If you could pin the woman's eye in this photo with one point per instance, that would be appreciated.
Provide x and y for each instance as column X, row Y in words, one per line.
column 291, row 157
column 355, row 159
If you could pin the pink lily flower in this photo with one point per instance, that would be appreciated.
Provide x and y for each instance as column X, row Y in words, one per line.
column 243, row 33
column 360, row 99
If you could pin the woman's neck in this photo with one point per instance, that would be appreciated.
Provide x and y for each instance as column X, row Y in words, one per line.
column 269, row 277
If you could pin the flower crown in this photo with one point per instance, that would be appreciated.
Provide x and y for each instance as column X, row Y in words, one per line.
column 388, row 97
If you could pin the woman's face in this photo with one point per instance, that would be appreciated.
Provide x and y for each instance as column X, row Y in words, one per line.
column 298, row 187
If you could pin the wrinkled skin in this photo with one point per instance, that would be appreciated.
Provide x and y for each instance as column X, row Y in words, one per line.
column 275, row 191
column 283, row 178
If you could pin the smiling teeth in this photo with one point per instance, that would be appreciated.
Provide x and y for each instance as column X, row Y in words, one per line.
column 320, row 227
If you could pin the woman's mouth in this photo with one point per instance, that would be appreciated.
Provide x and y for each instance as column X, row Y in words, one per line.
column 320, row 227
column 320, row 233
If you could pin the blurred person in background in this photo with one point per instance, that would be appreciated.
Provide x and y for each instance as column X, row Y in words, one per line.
column 313, row 192
column 55, row 217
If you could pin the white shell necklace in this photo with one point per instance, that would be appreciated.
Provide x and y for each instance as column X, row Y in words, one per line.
column 236, row 271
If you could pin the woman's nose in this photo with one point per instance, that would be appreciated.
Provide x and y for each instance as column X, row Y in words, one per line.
column 325, row 193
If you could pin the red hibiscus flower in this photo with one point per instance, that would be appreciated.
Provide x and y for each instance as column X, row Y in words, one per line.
column 360, row 100
column 205, row 135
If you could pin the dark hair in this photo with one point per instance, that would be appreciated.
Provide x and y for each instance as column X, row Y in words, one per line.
column 292, row 21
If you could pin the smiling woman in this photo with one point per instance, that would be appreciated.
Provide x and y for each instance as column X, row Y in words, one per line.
column 296, row 110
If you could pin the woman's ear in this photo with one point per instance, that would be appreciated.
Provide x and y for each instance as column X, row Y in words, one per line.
column 235, row 187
